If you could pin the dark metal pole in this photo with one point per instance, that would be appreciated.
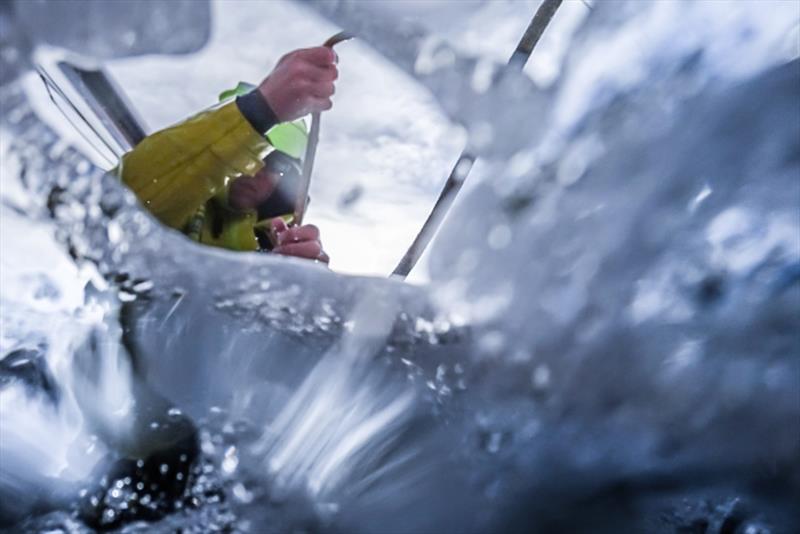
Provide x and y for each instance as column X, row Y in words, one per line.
column 462, row 167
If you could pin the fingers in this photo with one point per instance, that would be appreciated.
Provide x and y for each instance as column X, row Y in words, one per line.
column 319, row 104
column 322, row 90
column 295, row 234
column 307, row 232
column 306, row 249
column 298, row 241
column 326, row 74
column 302, row 83
column 308, row 73
column 318, row 55
column 314, row 63
column 278, row 225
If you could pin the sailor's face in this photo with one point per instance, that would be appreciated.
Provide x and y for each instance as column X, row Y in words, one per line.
column 247, row 192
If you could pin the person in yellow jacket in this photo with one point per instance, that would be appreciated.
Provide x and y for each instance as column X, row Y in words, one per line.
column 213, row 175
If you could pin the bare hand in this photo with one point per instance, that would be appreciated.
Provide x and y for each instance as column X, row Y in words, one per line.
column 301, row 83
column 299, row 241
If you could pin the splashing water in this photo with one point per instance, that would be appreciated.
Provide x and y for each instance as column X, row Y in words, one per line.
column 610, row 346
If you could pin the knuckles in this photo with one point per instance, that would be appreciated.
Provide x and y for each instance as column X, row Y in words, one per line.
column 302, row 82
column 310, row 230
column 306, row 249
column 299, row 85
column 296, row 69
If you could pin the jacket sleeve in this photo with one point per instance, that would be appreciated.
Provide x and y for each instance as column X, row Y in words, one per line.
column 177, row 170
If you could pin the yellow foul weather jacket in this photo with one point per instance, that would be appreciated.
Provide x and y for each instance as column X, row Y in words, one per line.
column 181, row 174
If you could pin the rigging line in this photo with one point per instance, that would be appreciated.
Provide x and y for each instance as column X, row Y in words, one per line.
column 541, row 19
column 76, row 128
column 50, row 85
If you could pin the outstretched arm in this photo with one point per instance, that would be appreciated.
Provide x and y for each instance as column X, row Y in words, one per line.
column 176, row 170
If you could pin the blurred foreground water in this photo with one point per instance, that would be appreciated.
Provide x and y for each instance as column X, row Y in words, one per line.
column 609, row 341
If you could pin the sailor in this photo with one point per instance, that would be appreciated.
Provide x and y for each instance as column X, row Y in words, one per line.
column 221, row 176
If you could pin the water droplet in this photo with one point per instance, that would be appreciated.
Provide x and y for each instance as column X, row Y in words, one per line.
column 83, row 167
column 129, row 39
column 499, row 237
column 704, row 193
column 241, row 493
column 540, row 378
column 494, row 442
column 522, row 163
column 231, row 461
column 144, row 285
column 462, row 169
column 481, row 134
column 482, row 76
column 440, row 373
column 350, row 197
column 434, row 54
column 164, row 469
column 521, row 356
column 108, row 516
column 492, row 343
column 114, row 232
column 327, row 510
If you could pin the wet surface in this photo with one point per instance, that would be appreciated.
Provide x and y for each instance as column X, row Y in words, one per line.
column 610, row 347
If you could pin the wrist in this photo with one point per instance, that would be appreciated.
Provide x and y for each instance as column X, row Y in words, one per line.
column 257, row 111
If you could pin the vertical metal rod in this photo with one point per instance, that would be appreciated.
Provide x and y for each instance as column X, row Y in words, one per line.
column 311, row 147
column 465, row 161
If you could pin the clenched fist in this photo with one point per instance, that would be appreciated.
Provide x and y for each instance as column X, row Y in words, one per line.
column 298, row 241
column 301, row 83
